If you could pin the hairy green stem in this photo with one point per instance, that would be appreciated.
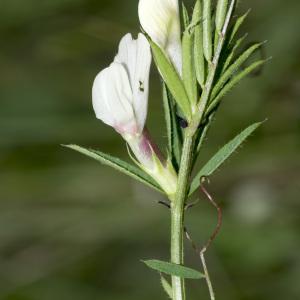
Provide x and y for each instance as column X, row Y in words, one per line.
column 177, row 214
column 177, row 208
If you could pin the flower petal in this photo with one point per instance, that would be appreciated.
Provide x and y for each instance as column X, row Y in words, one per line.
column 160, row 19
column 135, row 56
column 112, row 98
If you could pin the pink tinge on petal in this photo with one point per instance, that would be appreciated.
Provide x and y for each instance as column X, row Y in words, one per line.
column 148, row 146
column 141, row 144
column 130, row 129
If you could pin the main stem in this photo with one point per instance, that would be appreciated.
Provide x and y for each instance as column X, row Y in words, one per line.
column 177, row 214
column 177, row 208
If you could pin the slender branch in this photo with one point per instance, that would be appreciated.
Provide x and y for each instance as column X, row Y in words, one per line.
column 201, row 251
column 211, row 239
column 207, row 277
column 218, row 226
column 220, row 215
column 203, row 261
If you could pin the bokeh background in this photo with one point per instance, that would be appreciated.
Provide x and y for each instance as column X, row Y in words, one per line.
column 73, row 229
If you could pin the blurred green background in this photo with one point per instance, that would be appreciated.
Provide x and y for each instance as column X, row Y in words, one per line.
column 72, row 229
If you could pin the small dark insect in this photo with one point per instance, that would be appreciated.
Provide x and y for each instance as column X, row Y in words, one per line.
column 142, row 89
column 182, row 122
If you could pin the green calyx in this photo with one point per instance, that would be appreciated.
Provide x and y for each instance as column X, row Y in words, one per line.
column 164, row 174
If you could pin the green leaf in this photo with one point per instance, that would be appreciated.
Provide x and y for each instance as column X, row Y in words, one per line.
column 173, row 269
column 201, row 136
column 173, row 129
column 172, row 79
column 233, row 82
column 188, row 66
column 222, row 155
column 117, row 164
column 221, row 13
column 234, row 68
column 216, row 41
column 166, row 286
column 231, row 54
column 207, row 30
column 168, row 110
column 239, row 22
column 185, row 16
column 198, row 44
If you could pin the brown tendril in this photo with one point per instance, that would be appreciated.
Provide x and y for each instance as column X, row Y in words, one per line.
column 219, row 210
column 201, row 251
column 219, row 224
column 192, row 204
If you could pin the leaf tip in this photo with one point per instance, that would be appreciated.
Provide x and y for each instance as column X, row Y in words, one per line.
column 269, row 58
column 70, row 146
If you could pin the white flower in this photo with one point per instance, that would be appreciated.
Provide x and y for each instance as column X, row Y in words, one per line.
column 120, row 92
column 120, row 99
column 160, row 19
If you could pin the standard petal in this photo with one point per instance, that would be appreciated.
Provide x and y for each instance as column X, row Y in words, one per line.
column 135, row 56
column 112, row 99
column 127, row 54
column 140, row 85
column 160, row 19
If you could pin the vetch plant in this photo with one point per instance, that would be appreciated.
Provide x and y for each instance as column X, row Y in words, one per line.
column 199, row 59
